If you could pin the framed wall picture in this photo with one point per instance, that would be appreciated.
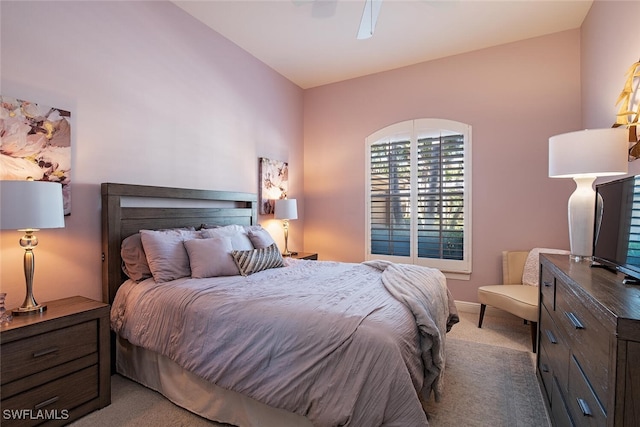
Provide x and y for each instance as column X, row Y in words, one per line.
column 35, row 141
column 274, row 183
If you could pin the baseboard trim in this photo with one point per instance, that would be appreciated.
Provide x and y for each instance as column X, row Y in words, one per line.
column 474, row 307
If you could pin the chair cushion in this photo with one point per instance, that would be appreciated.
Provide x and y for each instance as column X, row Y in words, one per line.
column 519, row 300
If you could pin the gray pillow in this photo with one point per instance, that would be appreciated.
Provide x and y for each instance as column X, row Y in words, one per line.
column 166, row 254
column 237, row 233
column 134, row 260
column 260, row 238
column 211, row 257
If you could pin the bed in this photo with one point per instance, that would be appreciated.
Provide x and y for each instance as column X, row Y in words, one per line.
column 280, row 342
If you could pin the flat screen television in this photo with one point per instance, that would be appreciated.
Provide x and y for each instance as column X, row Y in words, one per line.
column 616, row 243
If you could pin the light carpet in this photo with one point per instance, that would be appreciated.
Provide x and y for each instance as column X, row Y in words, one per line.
column 487, row 385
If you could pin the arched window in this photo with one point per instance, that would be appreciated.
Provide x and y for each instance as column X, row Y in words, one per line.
column 418, row 194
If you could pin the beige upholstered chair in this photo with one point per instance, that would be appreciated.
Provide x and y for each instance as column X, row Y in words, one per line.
column 512, row 296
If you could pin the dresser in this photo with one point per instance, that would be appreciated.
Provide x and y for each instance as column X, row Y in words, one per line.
column 588, row 360
column 55, row 365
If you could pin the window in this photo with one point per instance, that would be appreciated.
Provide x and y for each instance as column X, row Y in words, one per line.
column 418, row 194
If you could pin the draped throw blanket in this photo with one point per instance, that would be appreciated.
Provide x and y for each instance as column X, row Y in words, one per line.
column 424, row 291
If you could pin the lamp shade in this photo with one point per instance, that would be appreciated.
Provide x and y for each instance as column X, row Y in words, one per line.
column 31, row 205
column 593, row 152
column 286, row 209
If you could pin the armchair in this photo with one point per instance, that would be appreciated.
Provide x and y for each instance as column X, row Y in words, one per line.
column 518, row 294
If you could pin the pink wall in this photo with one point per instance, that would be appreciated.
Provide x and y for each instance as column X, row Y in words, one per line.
column 156, row 98
column 610, row 44
column 514, row 96
column 159, row 99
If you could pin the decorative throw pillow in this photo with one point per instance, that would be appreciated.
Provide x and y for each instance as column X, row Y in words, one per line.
column 531, row 274
column 166, row 254
column 237, row 233
column 260, row 238
column 134, row 260
column 255, row 260
column 211, row 257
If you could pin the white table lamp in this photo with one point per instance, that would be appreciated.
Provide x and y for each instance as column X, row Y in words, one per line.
column 584, row 156
column 29, row 206
column 285, row 210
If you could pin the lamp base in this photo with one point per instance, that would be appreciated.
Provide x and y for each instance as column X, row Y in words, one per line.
column 26, row 311
column 580, row 258
column 582, row 206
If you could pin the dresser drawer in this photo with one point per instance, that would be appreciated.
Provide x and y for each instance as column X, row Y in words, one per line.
column 555, row 347
column 559, row 410
column 548, row 288
column 546, row 373
column 55, row 399
column 583, row 403
column 40, row 352
column 589, row 338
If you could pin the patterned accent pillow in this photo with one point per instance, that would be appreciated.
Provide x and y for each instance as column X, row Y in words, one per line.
column 255, row 260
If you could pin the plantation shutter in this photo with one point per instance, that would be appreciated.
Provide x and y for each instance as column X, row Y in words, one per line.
column 418, row 194
column 440, row 207
column 390, row 193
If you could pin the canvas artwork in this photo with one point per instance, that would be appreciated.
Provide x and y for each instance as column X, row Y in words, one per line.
column 274, row 183
column 35, row 141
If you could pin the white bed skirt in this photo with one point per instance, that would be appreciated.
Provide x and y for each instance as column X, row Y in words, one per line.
column 197, row 395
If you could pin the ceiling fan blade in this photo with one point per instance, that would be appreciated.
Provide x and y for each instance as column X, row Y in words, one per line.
column 369, row 18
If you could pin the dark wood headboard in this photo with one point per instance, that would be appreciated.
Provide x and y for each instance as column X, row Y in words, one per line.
column 126, row 209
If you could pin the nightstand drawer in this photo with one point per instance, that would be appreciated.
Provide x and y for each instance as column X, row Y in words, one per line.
column 40, row 352
column 55, row 399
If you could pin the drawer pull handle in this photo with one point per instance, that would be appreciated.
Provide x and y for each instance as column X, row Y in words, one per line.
column 551, row 337
column 584, row 407
column 548, row 283
column 45, row 352
column 574, row 320
column 47, row 402
column 544, row 367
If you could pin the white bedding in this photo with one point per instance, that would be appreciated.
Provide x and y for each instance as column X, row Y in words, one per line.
column 324, row 340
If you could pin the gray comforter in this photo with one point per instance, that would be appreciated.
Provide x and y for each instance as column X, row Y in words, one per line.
column 342, row 344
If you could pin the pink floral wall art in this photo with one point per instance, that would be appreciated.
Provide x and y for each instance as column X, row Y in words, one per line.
column 274, row 183
column 35, row 141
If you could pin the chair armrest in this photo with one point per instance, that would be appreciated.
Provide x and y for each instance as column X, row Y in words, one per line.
column 513, row 266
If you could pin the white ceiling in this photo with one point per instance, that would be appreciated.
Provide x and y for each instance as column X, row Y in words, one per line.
column 313, row 42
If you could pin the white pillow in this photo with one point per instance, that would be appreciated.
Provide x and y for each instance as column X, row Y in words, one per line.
column 211, row 257
column 166, row 254
column 237, row 233
column 260, row 238
column 531, row 273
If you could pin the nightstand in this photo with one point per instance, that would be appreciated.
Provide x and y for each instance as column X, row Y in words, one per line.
column 55, row 365
column 306, row 255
